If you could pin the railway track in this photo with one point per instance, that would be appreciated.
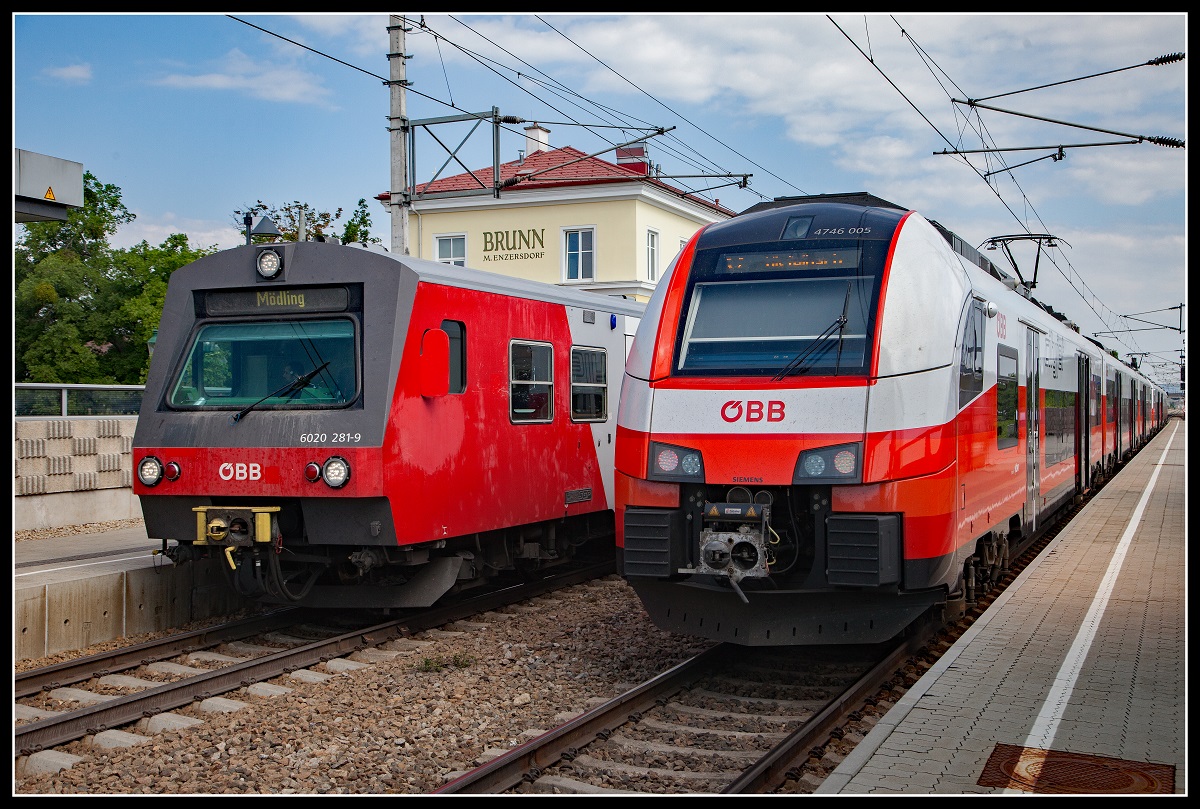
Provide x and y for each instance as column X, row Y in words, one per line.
column 797, row 718
column 137, row 687
column 730, row 720
column 735, row 720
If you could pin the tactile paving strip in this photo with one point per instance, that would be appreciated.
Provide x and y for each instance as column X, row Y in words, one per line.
column 1053, row 772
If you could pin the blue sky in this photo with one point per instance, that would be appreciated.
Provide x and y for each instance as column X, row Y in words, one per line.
column 196, row 116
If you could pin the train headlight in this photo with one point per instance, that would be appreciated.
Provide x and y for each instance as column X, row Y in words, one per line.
column 839, row 464
column 336, row 472
column 150, row 471
column 270, row 263
column 669, row 462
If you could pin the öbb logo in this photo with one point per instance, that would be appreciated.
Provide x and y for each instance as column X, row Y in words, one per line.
column 752, row 410
column 240, row 471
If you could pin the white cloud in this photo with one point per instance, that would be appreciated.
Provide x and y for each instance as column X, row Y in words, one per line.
column 72, row 74
column 266, row 80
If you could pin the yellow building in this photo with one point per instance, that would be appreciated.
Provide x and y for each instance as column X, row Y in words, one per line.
column 561, row 217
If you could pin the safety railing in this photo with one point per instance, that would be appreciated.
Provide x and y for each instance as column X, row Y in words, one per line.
column 45, row 400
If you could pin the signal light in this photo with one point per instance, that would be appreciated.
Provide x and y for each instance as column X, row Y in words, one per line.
column 675, row 463
column 150, row 471
column 336, row 472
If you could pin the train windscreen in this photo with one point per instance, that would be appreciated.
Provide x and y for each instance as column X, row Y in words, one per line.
column 278, row 364
column 805, row 308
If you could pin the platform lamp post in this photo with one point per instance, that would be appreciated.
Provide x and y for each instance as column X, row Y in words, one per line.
column 150, row 343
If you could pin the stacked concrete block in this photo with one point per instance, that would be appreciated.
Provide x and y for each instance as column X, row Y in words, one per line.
column 58, row 457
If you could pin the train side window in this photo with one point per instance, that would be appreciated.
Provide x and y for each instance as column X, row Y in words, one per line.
column 1058, row 425
column 970, row 368
column 457, row 332
column 589, row 384
column 1006, row 397
column 531, row 381
column 1110, row 397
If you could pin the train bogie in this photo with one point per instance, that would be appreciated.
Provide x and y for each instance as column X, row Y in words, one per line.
column 837, row 418
column 350, row 428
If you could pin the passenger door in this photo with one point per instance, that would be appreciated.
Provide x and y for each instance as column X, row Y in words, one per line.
column 1033, row 428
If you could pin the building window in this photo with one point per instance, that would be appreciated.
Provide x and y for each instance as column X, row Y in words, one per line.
column 652, row 255
column 579, row 254
column 452, row 250
column 531, row 381
column 589, row 384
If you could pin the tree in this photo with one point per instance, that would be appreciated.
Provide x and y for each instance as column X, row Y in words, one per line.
column 85, row 232
column 356, row 230
column 83, row 311
column 358, row 226
column 55, row 315
column 287, row 219
column 133, row 300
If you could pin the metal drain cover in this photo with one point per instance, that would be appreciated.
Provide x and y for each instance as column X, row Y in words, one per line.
column 1052, row 772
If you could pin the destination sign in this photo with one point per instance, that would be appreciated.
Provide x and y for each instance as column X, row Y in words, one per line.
column 791, row 260
column 277, row 299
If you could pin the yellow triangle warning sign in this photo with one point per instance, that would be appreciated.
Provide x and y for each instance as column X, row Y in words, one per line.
column 750, row 512
column 49, row 193
column 713, row 512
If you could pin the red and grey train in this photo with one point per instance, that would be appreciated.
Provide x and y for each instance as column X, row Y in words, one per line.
column 837, row 418
column 337, row 426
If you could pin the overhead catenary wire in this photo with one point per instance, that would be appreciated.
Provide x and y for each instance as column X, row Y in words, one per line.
column 1074, row 282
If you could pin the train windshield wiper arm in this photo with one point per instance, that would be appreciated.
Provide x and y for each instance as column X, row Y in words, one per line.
column 799, row 364
column 294, row 387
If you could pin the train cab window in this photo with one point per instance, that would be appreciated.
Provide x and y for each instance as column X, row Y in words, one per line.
column 787, row 312
column 276, row 364
column 589, row 384
column 1006, row 397
column 970, row 366
column 531, row 381
column 457, row 332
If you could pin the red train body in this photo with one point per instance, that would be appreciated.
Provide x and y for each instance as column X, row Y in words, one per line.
column 348, row 428
column 837, row 418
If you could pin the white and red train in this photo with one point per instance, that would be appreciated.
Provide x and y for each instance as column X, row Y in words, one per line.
column 838, row 417
column 337, row 426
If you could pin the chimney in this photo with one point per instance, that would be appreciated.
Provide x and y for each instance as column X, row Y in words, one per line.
column 635, row 158
column 537, row 138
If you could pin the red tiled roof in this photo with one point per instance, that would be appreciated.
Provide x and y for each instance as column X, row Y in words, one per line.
column 553, row 168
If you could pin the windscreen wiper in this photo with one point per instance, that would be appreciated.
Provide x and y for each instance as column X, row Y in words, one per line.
column 294, row 387
column 798, row 364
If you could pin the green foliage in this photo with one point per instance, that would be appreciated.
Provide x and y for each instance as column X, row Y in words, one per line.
column 86, row 231
column 83, row 311
column 356, row 229
column 459, row 660
column 358, row 226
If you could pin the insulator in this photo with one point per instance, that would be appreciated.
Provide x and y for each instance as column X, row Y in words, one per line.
column 512, row 119
column 1166, row 60
column 1173, row 143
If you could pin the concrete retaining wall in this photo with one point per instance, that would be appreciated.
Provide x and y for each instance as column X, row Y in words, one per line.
column 73, row 471
column 74, row 611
